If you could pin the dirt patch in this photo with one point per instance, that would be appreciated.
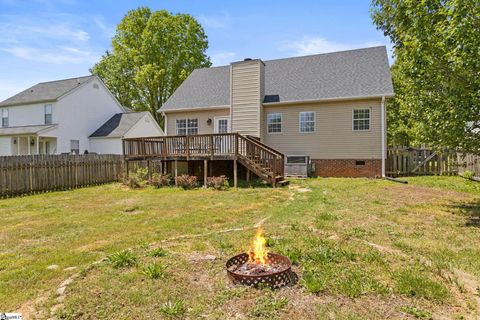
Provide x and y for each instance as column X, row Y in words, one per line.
column 413, row 194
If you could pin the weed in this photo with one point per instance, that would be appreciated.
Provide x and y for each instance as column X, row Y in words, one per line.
column 121, row 259
column 173, row 309
column 154, row 270
column 268, row 306
column 417, row 312
column 158, row 252
column 413, row 283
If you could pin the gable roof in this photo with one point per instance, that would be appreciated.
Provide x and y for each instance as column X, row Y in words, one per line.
column 25, row 129
column 118, row 125
column 346, row 74
column 46, row 91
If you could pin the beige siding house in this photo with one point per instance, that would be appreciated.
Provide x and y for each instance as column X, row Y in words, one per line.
column 327, row 110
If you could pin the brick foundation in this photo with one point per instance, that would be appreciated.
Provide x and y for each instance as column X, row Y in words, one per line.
column 348, row 167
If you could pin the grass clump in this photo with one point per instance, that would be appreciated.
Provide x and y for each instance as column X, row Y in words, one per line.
column 158, row 253
column 173, row 309
column 122, row 259
column 417, row 312
column 413, row 283
column 267, row 307
column 153, row 270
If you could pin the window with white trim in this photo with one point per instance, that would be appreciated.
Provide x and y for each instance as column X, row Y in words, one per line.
column 187, row 127
column 361, row 119
column 48, row 113
column 274, row 123
column 4, row 118
column 307, row 121
column 75, row 146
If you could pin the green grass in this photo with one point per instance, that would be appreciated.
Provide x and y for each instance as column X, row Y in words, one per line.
column 363, row 249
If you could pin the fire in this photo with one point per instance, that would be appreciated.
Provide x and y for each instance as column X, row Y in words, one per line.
column 259, row 253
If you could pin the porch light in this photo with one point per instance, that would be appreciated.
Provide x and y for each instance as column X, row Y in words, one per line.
column 32, row 142
column 14, row 141
column 209, row 121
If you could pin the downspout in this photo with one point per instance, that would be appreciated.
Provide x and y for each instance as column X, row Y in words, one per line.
column 164, row 123
column 382, row 116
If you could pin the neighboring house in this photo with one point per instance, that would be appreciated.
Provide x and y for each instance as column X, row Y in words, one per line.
column 329, row 108
column 108, row 138
column 59, row 117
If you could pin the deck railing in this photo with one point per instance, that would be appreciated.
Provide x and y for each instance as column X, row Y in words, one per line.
column 228, row 145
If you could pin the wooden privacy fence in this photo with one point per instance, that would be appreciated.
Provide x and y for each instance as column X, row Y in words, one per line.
column 414, row 161
column 469, row 162
column 39, row 173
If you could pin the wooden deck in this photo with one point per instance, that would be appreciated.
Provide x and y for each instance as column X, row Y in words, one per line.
column 264, row 161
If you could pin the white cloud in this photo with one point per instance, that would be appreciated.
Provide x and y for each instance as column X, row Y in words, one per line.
column 57, row 55
column 108, row 30
column 220, row 58
column 214, row 22
column 314, row 45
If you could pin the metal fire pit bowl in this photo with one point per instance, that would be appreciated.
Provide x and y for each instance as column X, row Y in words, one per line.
column 273, row 280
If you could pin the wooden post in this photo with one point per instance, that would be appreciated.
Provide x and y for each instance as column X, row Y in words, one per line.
column 248, row 175
column 176, row 172
column 235, row 182
column 205, row 168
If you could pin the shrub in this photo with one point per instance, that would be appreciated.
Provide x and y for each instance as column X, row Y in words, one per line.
column 468, row 174
column 137, row 179
column 124, row 258
column 154, row 270
column 218, row 183
column 160, row 180
column 186, row 182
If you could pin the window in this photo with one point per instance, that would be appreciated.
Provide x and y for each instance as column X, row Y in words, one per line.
column 75, row 146
column 307, row 121
column 4, row 118
column 274, row 123
column 361, row 119
column 222, row 126
column 187, row 127
column 48, row 114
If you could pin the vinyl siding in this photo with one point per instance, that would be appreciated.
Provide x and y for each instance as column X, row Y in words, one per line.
column 334, row 137
column 247, row 87
column 202, row 117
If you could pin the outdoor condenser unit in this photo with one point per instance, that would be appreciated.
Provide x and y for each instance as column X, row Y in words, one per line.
column 296, row 166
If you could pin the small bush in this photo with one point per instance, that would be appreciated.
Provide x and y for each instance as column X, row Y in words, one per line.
column 468, row 174
column 218, row 183
column 154, row 270
column 121, row 259
column 186, row 182
column 173, row 309
column 136, row 179
column 160, row 180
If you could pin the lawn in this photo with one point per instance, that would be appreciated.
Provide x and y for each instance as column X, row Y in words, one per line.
column 363, row 249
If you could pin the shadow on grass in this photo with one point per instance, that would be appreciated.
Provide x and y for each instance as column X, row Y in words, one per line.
column 471, row 210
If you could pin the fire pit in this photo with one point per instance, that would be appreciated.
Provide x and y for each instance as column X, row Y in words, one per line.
column 260, row 267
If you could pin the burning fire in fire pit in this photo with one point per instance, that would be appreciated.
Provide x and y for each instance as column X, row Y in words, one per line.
column 259, row 266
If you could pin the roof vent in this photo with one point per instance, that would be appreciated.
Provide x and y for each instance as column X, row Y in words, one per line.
column 247, row 59
column 31, row 90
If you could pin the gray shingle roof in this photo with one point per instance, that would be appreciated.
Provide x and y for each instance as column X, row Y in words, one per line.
column 346, row 74
column 25, row 129
column 118, row 125
column 45, row 91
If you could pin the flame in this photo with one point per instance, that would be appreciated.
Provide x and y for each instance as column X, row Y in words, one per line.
column 259, row 253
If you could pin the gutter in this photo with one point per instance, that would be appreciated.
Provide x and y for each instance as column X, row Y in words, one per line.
column 383, row 138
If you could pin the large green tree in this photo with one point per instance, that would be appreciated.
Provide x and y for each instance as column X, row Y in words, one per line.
column 436, row 71
column 153, row 52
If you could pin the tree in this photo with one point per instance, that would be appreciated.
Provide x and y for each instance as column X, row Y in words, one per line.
column 152, row 54
column 436, row 71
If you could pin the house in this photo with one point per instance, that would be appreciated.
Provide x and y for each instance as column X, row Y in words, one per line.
column 326, row 110
column 69, row 116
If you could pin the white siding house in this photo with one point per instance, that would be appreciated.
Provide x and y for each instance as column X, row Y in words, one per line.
column 59, row 117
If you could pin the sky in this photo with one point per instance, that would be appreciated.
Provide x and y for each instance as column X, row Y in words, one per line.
column 45, row 40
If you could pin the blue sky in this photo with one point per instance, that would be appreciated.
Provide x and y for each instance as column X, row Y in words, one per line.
column 43, row 40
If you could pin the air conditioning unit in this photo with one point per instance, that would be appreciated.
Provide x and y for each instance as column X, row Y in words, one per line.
column 296, row 166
